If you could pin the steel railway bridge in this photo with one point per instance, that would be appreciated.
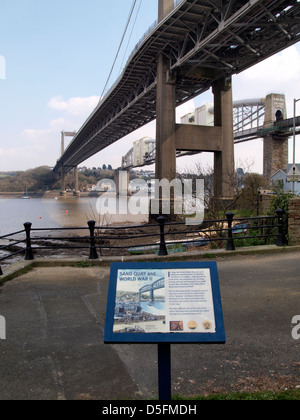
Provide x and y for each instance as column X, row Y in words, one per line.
column 249, row 116
column 193, row 46
column 157, row 284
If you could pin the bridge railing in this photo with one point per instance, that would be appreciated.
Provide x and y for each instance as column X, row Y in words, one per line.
column 226, row 233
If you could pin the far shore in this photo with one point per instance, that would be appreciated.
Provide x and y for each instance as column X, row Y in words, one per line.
column 47, row 194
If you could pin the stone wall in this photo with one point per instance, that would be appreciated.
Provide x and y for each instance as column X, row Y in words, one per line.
column 264, row 205
column 294, row 221
column 276, row 152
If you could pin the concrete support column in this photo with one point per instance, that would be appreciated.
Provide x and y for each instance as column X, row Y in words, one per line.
column 163, row 7
column 165, row 122
column 224, row 159
column 165, row 161
column 165, row 164
column 62, row 174
column 76, row 182
column 62, row 145
column 62, row 182
column 121, row 180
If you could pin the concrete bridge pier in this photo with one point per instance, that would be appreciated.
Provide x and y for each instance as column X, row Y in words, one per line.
column 62, row 182
column 224, row 158
column 165, row 164
column 121, row 180
column 76, row 191
column 165, row 159
column 63, row 192
column 171, row 136
column 163, row 7
column 63, row 172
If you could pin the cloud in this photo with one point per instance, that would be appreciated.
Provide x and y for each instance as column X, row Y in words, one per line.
column 45, row 142
column 9, row 152
column 36, row 135
column 73, row 112
column 22, row 158
column 76, row 106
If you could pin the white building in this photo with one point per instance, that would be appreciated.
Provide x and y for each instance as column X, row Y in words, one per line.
column 141, row 149
column 204, row 115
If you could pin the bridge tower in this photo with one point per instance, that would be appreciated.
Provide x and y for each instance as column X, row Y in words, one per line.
column 275, row 147
column 171, row 136
column 63, row 173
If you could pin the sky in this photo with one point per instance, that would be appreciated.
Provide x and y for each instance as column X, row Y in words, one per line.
column 55, row 59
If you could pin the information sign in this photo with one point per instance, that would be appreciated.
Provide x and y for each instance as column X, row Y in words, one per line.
column 293, row 178
column 293, row 174
column 164, row 303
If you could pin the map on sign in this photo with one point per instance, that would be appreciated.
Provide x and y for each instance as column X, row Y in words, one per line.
column 164, row 302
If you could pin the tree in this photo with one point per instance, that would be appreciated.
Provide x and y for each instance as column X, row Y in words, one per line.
column 37, row 179
column 252, row 184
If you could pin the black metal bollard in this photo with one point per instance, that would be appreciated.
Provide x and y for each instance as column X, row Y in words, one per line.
column 28, row 251
column 93, row 250
column 230, row 242
column 162, row 246
column 1, row 272
column 280, row 238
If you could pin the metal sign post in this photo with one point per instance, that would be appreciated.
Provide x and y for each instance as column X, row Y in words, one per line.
column 164, row 371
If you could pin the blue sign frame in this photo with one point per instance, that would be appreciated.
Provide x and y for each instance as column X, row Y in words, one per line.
column 216, row 337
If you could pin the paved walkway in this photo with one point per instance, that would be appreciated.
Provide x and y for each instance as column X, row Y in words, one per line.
column 55, row 319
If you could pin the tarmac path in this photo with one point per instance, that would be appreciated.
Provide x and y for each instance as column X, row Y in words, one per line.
column 54, row 337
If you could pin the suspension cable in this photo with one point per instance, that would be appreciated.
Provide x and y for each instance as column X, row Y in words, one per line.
column 127, row 24
column 133, row 26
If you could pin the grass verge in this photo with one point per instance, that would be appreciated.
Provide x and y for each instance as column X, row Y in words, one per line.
column 288, row 395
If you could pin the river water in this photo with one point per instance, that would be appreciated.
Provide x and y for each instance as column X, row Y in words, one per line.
column 57, row 212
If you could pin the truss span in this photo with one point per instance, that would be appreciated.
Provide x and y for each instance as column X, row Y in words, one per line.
column 248, row 124
column 157, row 284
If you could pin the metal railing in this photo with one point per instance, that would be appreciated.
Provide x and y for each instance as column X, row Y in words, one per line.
column 230, row 231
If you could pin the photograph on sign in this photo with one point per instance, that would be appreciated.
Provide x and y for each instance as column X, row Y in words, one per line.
column 164, row 301
column 170, row 300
